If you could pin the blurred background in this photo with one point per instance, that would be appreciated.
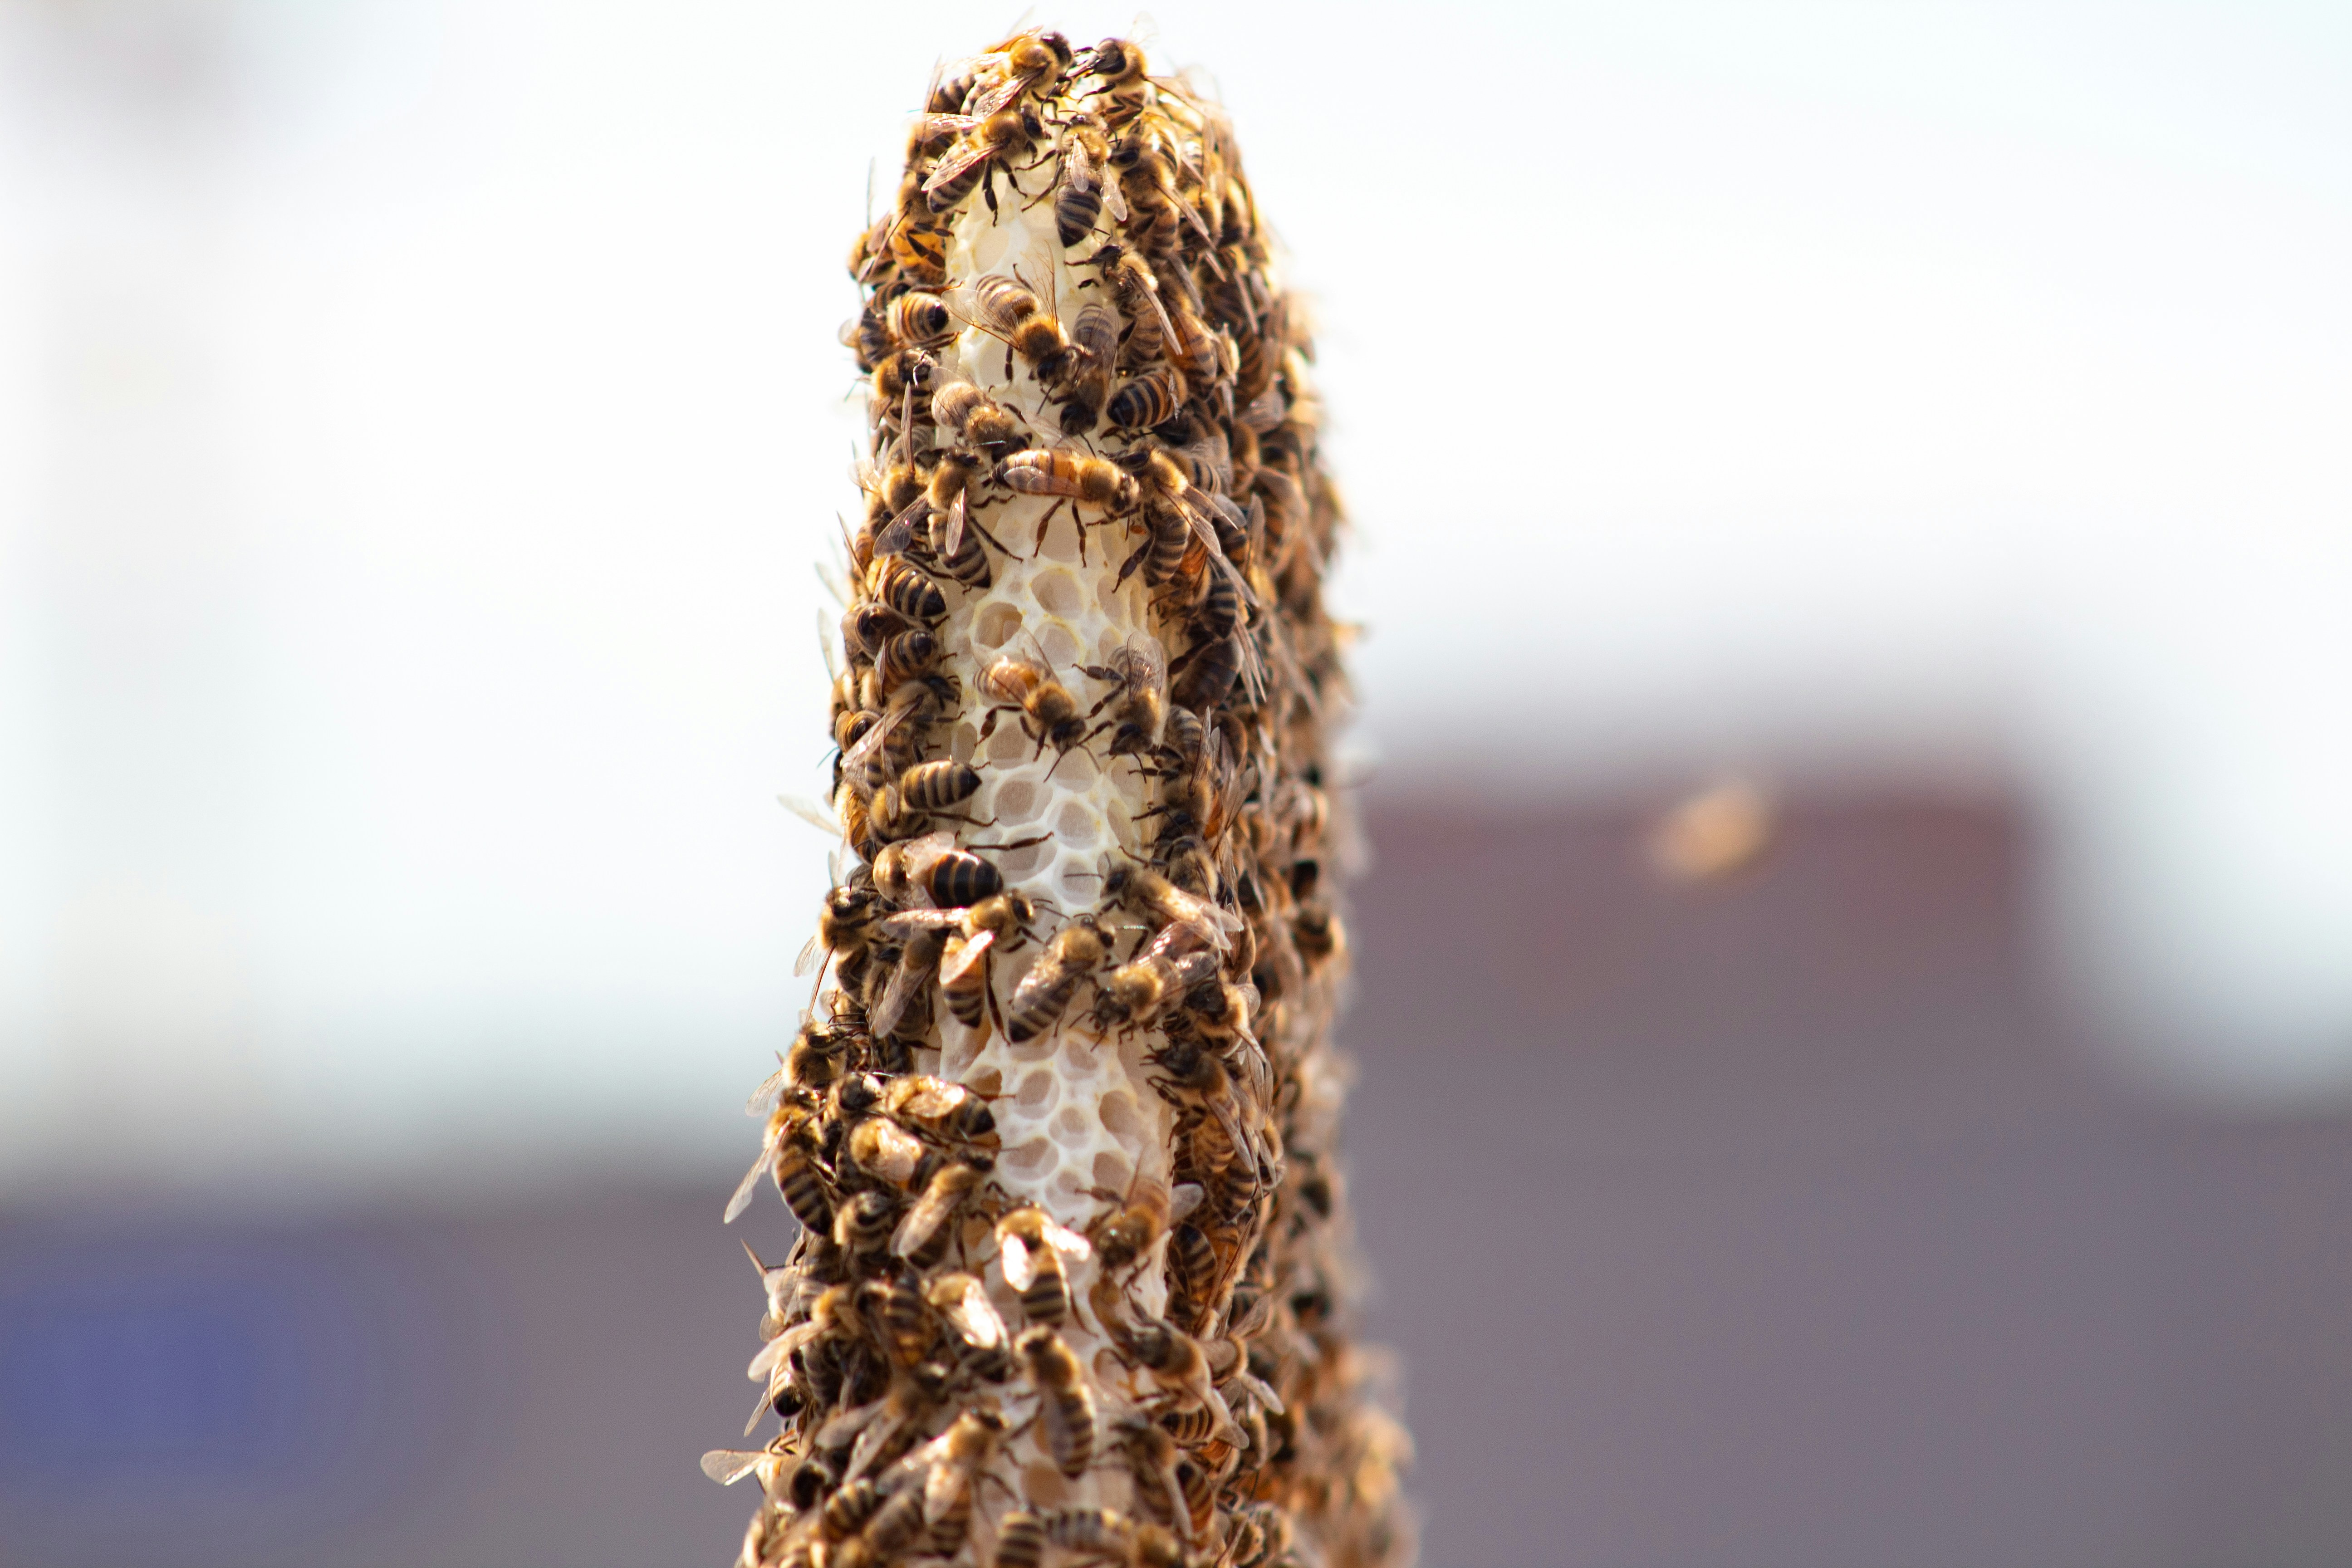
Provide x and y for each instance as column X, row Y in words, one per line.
column 1912, row 438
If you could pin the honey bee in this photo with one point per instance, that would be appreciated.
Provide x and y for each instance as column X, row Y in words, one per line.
column 862, row 1227
column 1147, row 180
column 1049, row 714
column 1094, row 1533
column 886, row 1152
column 906, row 986
column 1124, row 1235
column 1072, row 477
column 901, row 658
column 904, row 373
column 931, row 867
column 1083, row 193
column 948, row 1466
column 845, row 924
column 989, row 139
column 1020, row 1540
column 937, row 786
column 1148, row 893
column 1136, row 287
column 1029, row 61
column 908, row 590
column 1044, row 994
column 922, row 1235
column 918, row 248
column 1066, row 1406
column 1192, row 1075
column 993, row 924
column 1031, row 1246
column 1209, row 670
column 728, row 1466
column 1135, row 994
column 944, row 1109
column 979, row 419
column 1010, row 311
column 1138, row 697
column 920, row 321
column 1152, row 397
column 1085, row 382
column 963, row 1301
column 1177, row 1364
column 1150, row 1456
column 1121, row 69
column 785, row 1157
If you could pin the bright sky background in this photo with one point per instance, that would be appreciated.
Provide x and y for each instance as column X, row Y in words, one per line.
column 417, row 422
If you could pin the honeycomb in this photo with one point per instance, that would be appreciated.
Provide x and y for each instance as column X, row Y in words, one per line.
column 1081, row 748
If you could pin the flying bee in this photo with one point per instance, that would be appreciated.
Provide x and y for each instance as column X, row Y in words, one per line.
column 1049, row 714
column 1065, row 1406
column 923, row 1234
column 1079, row 200
column 1152, row 397
column 1009, row 311
column 990, row 138
column 1148, row 893
column 1044, row 994
column 921, row 320
column 1138, row 697
column 1085, row 383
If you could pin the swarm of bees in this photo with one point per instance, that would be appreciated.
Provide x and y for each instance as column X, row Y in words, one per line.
column 1072, row 1282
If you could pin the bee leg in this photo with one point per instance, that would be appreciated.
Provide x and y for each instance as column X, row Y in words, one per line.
column 1046, row 521
column 988, row 725
column 973, row 523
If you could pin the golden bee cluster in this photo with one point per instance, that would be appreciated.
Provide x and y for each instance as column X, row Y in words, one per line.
column 1072, row 1280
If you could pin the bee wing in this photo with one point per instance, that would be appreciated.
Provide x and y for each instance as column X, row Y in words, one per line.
column 973, row 1316
column 907, row 983
column 778, row 1350
column 1183, row 1198
column 750, row 1182
column 826, row 634
column 930, row 125
column 1003, row 93
column 1146, row 662
column 1068, row 1242
column 959, row 958
column 924, row 853
column 1200, row 913
column 871, row 1442
column 1249, row 1383
column 1078, row 164
column 953, row 537
column 811, row 812
column 728, row 1466
column 900, row 531
column 811, row 951
column 931, row 1211
column 1021, row 1266
column 764, row 1098
column 964, row 156
column 906, row 922
column 853, row 761
column 847, row 1424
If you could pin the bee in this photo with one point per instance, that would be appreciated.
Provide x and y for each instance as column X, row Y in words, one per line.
column 1177, row 1364
column 1139, row 699
column 1083, row 193
column 1020, row 1540
column 1121, row 69
column 918, row 249
column 905, row 984
column 784, row 1156
column 869, row 335
column 1136, row 287
column 931, row 866
column 1135, row 994
column 944, row 1109
column 845, row 924
column 1194, row 346
column 937, row 786
column 891, row 1529
column 1044, row 994
column 949, row 1465
column 862, row 1227
column 991, row 138
column 905, row 371
column 1030, row 61
column 1049, row 714
column 866, row 626
column 1148, row 893
column 1000, row 922
column 1066, row 1406
column 922, row 1235
column 1220, row 1013
column 920, row 321
column 901, row 658
column 1069, row 476
column 1209, row 670
column 1124, row 1235
column 1030, row 1246
column 963, row 1301
column 886, row 1152
column 1152, row 398
column 847, row 1509
column 1010, row 311
column 1193, row 1075
column 906, row 591
column 979, row 419
column 901, row 1316
column 1148, row 182
column 1085, row 382
column 1152, row 1459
